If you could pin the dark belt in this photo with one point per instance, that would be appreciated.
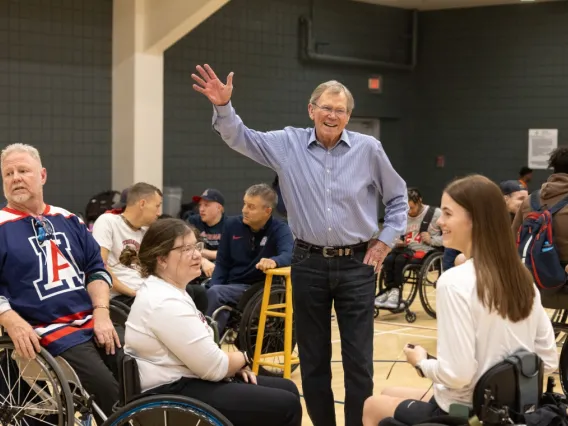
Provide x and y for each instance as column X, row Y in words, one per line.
column 332, row 251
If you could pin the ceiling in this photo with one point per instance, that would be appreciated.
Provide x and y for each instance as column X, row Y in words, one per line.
column 447, row 4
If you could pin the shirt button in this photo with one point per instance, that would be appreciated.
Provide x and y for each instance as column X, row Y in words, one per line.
column 329, row 229
column 328, row 170
column 328, row 209
column 327, row 189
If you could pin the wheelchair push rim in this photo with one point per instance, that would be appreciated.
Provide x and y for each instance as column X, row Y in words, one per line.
column 167, row 410
column 36, row 389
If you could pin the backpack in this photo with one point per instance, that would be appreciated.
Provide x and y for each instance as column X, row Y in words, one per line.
column 99, row 204
column 535, row 244
column 427, row 219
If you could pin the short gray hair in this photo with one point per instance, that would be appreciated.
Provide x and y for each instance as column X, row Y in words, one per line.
column 334, row 87
column 265, row 192
column 20, row 147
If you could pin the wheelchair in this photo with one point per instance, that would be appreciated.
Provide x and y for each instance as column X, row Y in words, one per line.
column 502, row 395
column 47, row 391
column 419, row 278
column 242, row 326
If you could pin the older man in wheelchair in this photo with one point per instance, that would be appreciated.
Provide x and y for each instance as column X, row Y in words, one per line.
column 250, row 244
column 54, row 289
column 422, row 236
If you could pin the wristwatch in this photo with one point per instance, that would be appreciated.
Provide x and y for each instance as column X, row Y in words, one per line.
column 247, row 359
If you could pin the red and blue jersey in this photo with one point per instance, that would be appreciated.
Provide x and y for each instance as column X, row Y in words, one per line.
column 45, row 264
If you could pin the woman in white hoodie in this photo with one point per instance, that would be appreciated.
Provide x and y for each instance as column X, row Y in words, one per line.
column 487, row 308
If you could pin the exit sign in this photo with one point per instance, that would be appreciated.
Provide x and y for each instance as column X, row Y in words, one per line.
column 375, row 84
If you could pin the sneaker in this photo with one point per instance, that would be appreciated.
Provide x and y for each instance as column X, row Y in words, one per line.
column 382, row 298
column 393, row 300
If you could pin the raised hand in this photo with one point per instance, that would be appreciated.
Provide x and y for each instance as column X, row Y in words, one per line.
column 210, row 85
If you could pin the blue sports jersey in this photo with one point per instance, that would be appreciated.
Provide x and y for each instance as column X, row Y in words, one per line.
column 44, row 265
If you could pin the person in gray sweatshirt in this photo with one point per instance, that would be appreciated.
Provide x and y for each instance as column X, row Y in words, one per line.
column 422, row 235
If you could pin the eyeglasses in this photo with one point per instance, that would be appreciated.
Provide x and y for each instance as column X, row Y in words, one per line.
column 43, row 228
column 329, row 110
column 190, row 248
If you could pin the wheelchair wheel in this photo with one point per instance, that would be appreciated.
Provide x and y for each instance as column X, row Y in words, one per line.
column 428, row 276
column 273, row 332
column 167, row 410
column 33, row 391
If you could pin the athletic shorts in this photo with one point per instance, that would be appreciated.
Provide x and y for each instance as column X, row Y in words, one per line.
column 412, row 411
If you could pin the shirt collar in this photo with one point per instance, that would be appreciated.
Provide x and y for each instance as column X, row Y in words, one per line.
column 344, row 137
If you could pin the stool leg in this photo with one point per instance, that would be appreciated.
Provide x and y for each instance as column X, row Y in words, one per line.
column 288, row 324
column 261, row 323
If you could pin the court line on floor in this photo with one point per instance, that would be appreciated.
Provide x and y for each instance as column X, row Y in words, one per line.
column 379, row 332
column 406, row 325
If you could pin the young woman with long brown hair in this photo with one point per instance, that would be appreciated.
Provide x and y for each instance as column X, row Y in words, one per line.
column 487, row 308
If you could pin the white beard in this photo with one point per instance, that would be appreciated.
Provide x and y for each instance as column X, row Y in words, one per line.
column 21, row 198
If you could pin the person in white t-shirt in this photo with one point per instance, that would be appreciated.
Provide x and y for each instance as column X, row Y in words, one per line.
column 174, row 346
column 487, row 309
column 116, row 232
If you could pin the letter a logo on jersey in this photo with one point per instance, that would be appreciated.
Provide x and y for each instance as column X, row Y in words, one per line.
column 58, row 272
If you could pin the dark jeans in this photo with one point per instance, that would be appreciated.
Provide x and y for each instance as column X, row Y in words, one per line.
column 393, row 266
column 224, row 294
column 272, row 401
column 349, row 285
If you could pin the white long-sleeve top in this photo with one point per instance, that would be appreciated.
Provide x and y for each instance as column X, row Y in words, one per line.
column 170, row 338
column 471, row 339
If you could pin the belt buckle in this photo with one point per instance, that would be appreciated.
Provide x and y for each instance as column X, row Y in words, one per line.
column 325, row 250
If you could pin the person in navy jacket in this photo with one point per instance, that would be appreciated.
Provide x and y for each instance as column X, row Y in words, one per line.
column 250, row 244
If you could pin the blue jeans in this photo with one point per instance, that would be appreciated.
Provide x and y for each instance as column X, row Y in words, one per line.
column 449, row 258
column 224, row 294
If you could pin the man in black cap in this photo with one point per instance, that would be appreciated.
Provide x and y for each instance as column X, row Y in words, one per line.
column 514, row 195
column 209, row 222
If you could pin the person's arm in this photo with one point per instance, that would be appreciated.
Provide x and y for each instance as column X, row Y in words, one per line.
column 456, row 364
column 394, row 194
column 97, row 283
column 434, row 230
column 181, row 329
column 545, row 342
column 209, row 254
column 117, row 285
column 284, row 246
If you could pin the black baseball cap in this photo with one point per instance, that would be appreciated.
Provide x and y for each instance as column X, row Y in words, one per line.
column 510, row 186
column 121, row 204
column 210, row 195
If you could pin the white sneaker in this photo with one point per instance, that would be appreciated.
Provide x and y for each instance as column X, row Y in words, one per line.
column 382, row 298
column 392, row 301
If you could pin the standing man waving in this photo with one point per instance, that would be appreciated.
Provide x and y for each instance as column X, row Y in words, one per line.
column 330, row 180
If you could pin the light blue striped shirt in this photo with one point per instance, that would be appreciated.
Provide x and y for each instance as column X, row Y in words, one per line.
column 331, row 195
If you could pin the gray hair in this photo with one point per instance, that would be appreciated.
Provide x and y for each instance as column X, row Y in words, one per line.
column 334, row 87
column 20, row 147
column 265, row 192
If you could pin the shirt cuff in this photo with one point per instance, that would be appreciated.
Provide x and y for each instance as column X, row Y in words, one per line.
column 427, row 365
column 4, row 305
column 222, row 110
column 389, row 236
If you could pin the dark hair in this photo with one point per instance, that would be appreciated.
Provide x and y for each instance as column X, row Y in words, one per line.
column 139, row 191
column 503, row 283
column 525, row 170
column 158, row 241
column 559, row 160
column 414, row 195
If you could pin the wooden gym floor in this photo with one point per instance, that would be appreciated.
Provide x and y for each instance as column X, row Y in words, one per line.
column 391, row 334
